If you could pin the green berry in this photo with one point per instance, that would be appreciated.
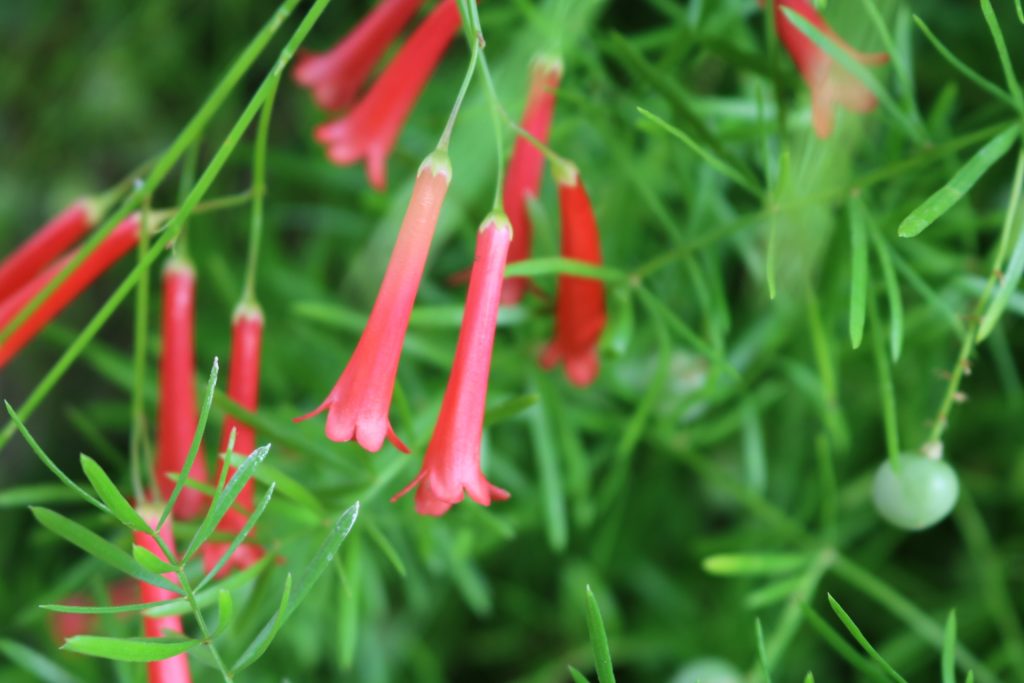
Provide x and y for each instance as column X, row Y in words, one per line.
column 921, row 493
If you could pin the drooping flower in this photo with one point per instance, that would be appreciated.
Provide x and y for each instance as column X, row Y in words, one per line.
column 579, row 302
column 118, row 243
column 522, row 181
column 177, row 414
column 359, row 403
column 451, row 466
column 58, row 235
column 336, row 76
column 244, row 389
column 829, row 82
column 174, row 669
column 369, row 130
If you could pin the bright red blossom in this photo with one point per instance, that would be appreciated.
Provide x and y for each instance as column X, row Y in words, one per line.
column 359, row 403
column 829, row 82
column 174, row 669
column 579, row 302
column 177, row 414
column 522, row 181
column 118, row 243
column 451, row 465
column 369, row 131
column 46, row 244
column 336, row 76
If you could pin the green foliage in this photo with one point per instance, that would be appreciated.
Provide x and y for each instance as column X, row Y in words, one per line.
column 758, row 366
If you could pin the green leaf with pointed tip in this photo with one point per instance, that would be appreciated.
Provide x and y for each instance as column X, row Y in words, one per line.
column 36, row 494
column 558, row 265
column 115, row 609
column 225, row 612
column 197, row 441
column 960, row 184
column 577, row 677
column 129, row 649
column 809, row 678
column 972, row 75
column 859, row 637
column 239, row 538
column 754, row 564
column 150, row 561
column 98, row 547
column 109, row 494
column 762, row 654
column 224, row 499
column 324, row 555
column 42, row 668
column 599, row 640
column 285, row 485
column 713, row 160
column 50, row 464
column 858, row 272
column 1004, row 54
column 949, row 650
column 266, row 636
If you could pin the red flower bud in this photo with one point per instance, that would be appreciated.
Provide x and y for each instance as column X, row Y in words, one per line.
column 369, row 131
column 359, row 403
column 829, row 82
column 244, row 389
column 579, row 301
column 49, row 242
column 118, row 243
column 177, row 414
column 336, row 76
column 452, row 461
column 522, row 182
column 174, row 669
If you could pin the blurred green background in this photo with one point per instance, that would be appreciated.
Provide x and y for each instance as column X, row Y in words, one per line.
column 630, row 484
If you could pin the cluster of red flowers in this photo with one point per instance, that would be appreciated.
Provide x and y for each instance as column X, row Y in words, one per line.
column 358, row 406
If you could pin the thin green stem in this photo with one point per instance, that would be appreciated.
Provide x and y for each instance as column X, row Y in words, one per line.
column 188, row 179
column 493, row 101
column 962, row 365
column 139, row 457
column 201, row 622
column 474, row 53
column 259, row 191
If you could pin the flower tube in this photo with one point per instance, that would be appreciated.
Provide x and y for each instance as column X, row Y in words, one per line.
column 173, row 669
column 369, row 131
column 579, row 302
column 829, row 82
column 451, row 466
column 336, row 76
column 522, row 181
column 118, row 243
column 177, row 414
column 50, row 241
column 358, row 405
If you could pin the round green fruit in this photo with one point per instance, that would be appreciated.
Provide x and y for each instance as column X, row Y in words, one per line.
column 921, row 493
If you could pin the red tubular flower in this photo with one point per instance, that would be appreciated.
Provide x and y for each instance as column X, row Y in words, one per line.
column 174, row 669
column 359, row 403
column 49, row 242
column 244, row 389
column 522, row 182
column 579, row 302
column 370, row 129
column 451, row 465
column 118, row 243
column 177, row 414
column 335, row 76
column 829, row 82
